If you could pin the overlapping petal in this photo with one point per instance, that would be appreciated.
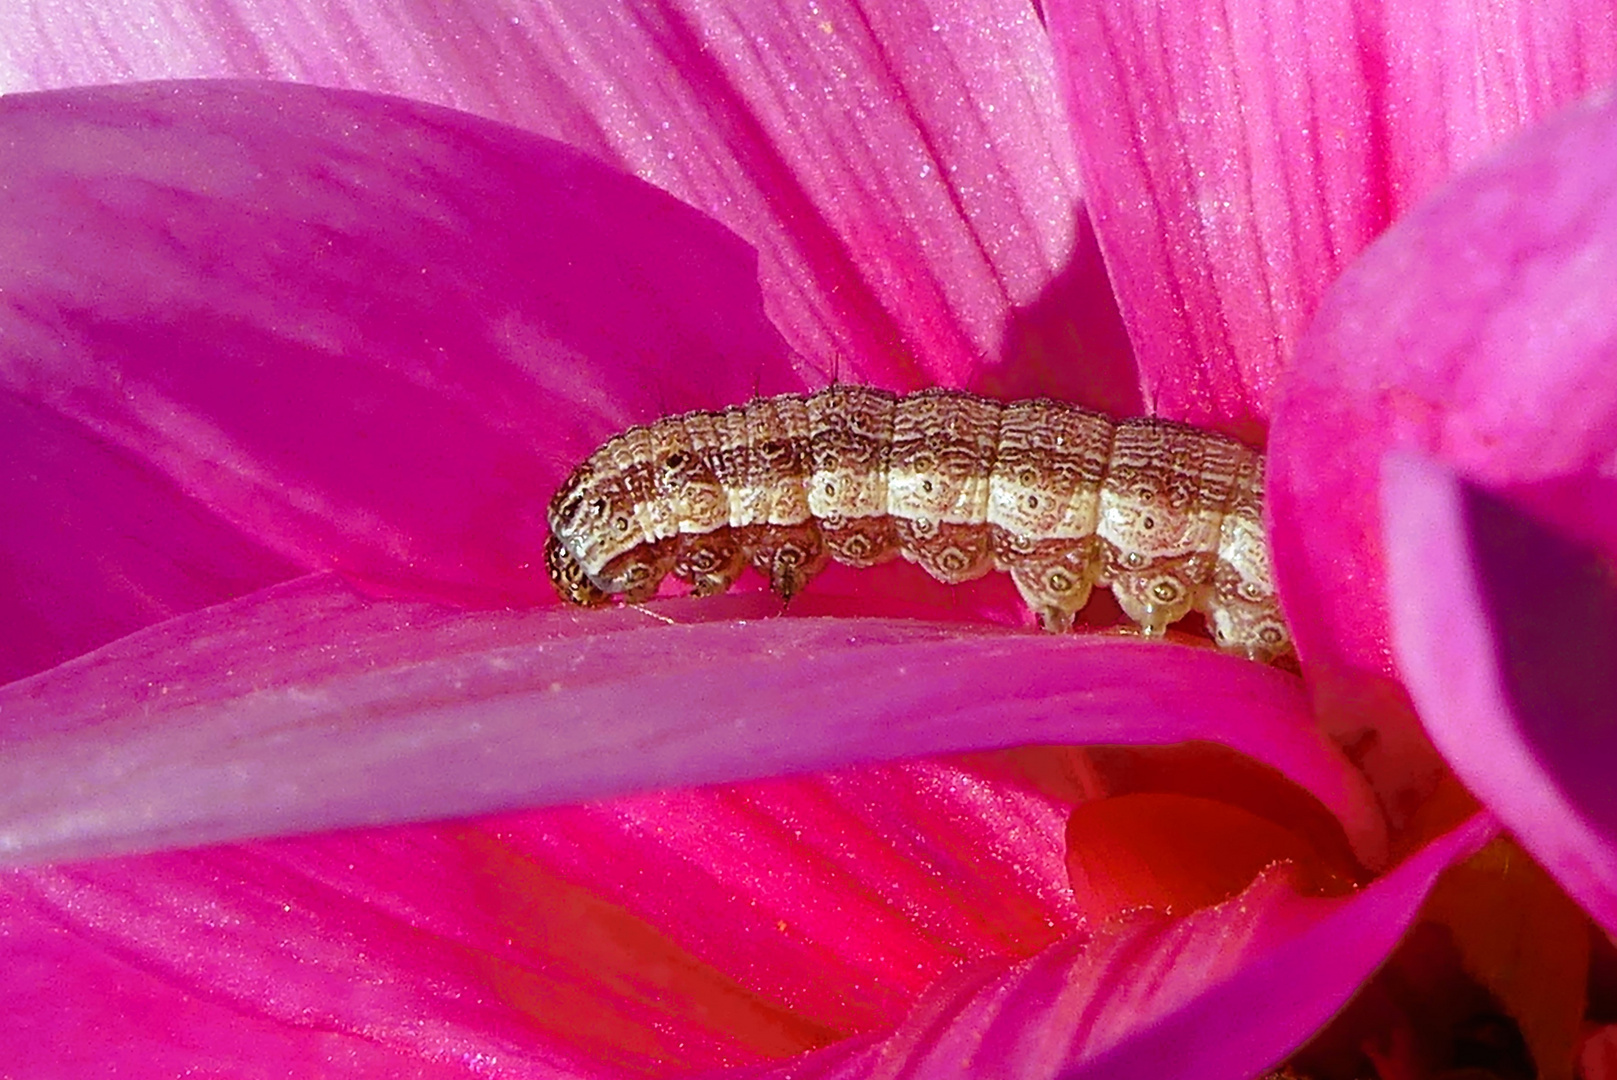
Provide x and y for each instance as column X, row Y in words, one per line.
column 1475, row 335
column 905, row 171
column 1507, row 634
column 306, row 329
column 308, row 708
column 1478, row 332
column 1152, row 995
column 1237, row 159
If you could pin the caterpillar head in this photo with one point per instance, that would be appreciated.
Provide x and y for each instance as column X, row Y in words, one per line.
column 572, row 584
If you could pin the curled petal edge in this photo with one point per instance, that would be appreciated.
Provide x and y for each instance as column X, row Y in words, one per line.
column 1516, row 692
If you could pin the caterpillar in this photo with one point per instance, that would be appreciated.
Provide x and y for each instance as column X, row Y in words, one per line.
column 1167, row 516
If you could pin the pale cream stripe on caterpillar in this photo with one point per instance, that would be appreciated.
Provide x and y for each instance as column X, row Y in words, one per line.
column 1169, row 517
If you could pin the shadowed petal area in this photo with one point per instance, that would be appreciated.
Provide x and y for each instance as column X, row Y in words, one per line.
column 1222, row 994
column 1480, row 332
column 306, row 708
column 106, row 545
column 1598, row 1059
column 1235, row 157
column 1507, row 636
column 310, row 329
column 905, row 171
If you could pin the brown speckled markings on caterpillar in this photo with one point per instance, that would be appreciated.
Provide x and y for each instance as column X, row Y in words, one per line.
column 1168, row 517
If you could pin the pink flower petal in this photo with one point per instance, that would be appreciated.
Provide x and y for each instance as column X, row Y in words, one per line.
column 906, row 174
column 672, row 932
column 418, row 952
column 1235, row 159
column 1226, row 992
column 307, row 708
column 1478, row 331
column 845, row 894
column 307, row 329
column 1507, row 636
column 106, row 546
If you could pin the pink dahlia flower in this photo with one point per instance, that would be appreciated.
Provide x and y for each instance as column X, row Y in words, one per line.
column 290, row 373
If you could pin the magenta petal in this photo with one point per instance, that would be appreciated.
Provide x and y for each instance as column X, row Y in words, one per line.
column 1224, row 993
column 396, row 953
column 1236, row 158
column 1507, row 637
column 105, row 546
column 844, row 893
column 668, row 932
column 307, row 708
column 356, row 332
column 904, row 171
column 1477, row 331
